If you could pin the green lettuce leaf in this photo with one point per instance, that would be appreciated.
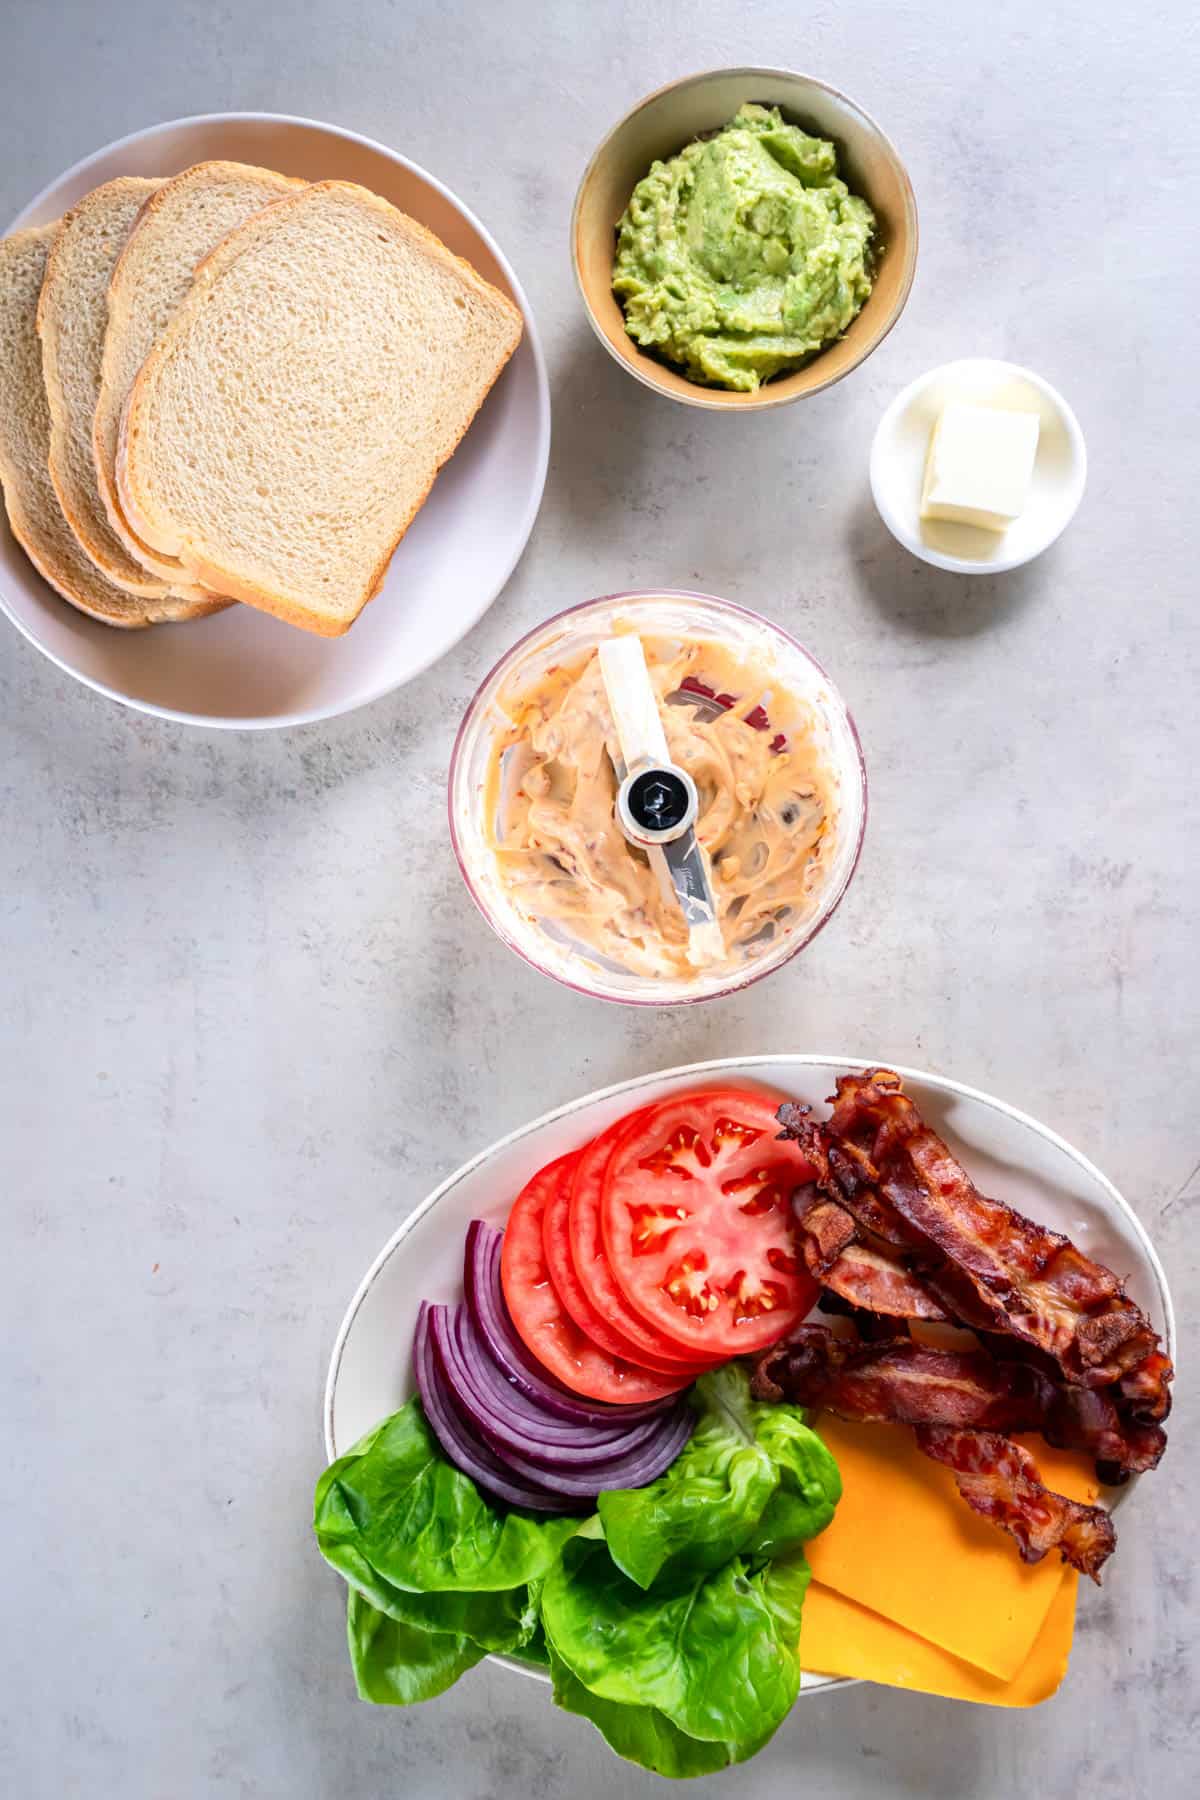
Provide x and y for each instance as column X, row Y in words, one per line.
column 810, row 1483
column 395, row 1508
column 503, row 1620
column 752, row 1476
column 397, row 1664
column 714, row 1651
column 642, row 1734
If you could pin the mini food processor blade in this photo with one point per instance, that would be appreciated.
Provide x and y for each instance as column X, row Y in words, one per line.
column 657, row 802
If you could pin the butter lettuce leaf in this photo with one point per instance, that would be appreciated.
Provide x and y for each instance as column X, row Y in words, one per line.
column 397, row 1664
column 714, row 1651
column 752, row 1478
column 810, row 1483
column 395, row 1507
column 642, row 1734
column 503, row 1620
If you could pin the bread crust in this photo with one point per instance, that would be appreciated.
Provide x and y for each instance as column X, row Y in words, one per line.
column 110, row 559
column 166, row 567
column 166, row 535
column 36, row 520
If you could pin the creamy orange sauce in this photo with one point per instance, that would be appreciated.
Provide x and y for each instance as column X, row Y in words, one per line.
column 765, row 822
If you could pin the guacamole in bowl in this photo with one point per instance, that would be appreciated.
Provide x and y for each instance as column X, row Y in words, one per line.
column 744, row 255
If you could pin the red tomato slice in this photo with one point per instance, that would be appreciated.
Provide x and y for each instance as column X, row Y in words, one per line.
column 556, row 1242
column 602, row 1310
column 543, row 1326
column 698, row 1223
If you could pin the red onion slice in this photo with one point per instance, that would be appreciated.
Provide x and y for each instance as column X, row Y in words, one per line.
column 498, row 1395
column 546, row 1447
column 507, row 1474
column 634, row 1470
column 459, row 1445
column 485, row 1299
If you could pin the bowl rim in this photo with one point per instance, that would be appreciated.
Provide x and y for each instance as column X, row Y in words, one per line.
column 377, row 690
column 742, row 981
column 770, row 394
column 966, row 565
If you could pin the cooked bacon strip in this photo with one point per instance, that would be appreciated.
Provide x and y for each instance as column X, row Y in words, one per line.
column 1004, row 1268
column 1081, row 1418
column 855, row 1181
column 870, row 1280
column 826, row 1231
column 1101, row 1420
column 897, row 1380
column 844, row 1175
column 856, row 1273
column 960, row 1298
column 1001, row 1482
column 873, row 1282
column 1145, row 1389
column 872, row 1088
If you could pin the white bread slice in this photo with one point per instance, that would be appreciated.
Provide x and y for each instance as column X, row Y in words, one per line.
column 290, row 421
column 34, row 513
column 72, row 314
column 176, row 228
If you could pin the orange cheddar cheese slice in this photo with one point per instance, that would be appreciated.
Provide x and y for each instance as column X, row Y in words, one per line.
column 839, row 1637
column 906, row 1546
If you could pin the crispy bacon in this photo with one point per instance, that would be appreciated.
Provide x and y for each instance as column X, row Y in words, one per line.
column 1084, row 1418
column 826, row 1231
column 1001, row 1481
column 959, row 1297
column 871, row 1281
column 900, row 1231
column 845, row 1175
column 897, row 1380
column 864, row 1277
column 1145, row 1389
column 989, row 1265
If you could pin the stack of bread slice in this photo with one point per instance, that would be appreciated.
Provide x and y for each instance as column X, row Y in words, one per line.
column 233, row 386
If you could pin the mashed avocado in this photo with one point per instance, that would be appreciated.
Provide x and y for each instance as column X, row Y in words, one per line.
column 744, row 254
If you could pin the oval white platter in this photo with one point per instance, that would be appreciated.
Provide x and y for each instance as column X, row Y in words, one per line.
column 1007, row 1153
column 242, row 669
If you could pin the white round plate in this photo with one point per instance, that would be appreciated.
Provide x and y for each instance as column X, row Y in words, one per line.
column 243, row 669
column 1009, row 1155
column 899, row 450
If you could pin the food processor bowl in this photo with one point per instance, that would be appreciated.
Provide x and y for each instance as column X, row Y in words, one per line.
column 801, row 698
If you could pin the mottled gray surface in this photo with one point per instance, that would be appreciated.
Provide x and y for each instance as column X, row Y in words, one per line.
column 249, row 1015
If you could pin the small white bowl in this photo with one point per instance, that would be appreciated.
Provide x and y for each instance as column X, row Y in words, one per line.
column 898, row 467
column 241, row 668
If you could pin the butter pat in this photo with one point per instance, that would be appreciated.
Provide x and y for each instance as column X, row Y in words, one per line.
column 980, row 465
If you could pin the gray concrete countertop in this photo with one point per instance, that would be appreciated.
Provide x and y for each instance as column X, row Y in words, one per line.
column 249, row 1015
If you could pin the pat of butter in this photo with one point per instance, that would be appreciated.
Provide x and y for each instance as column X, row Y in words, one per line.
column 980, row 465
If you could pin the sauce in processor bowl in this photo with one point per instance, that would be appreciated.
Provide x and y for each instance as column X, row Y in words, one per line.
column 747, row 715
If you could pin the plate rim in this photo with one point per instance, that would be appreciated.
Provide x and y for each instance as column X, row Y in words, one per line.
column 313, row 715
column 716, row 1065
